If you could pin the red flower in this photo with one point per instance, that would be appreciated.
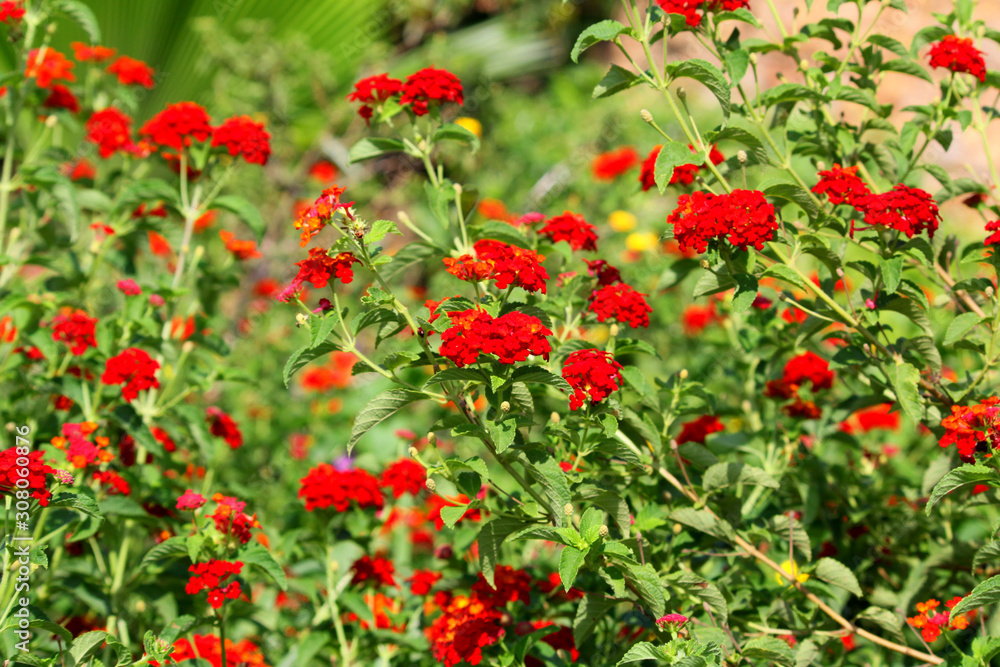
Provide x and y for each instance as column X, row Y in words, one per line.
column 240, row 135
column 468, row 268
column 319, row 268
column 423, row 581
column 131, row 71
column 696, row 318
column 177, row 125
column 571, row 228
column 210, row 577
column 230, row 519
column 808, row 367
column 373, row 91
column 958, row 55
column 61, row 97
column 604, row 272
column 378, row 570
column 86, row 53
column 699, row 429
column 870, row 419
column 591, row 373
column 511, row 338
column 324, row 171
column 325, row 486
column 80, row 169
column 117, row 484
column 967, row 426
column 841, row 185
column 687, row 8
column 905, row 209
column 222, row 425
column 134, row 370
column 311, row 219
column 47, row 65
column 609, row 166
column 110, row 129
column 129, row 287
column 435, row 504
column 647, row 175
column 621, row 303
column 802, row 409
column 513, row 266
column 993, row 238
column 11, row 11
column 190, row 500
column 37, row 477
column 465, row 628
column 240, row 248
column 509, row 585
column 404, row 476
column 743, row 217
column 76, row 329
column 430, row 85
column 552, row 585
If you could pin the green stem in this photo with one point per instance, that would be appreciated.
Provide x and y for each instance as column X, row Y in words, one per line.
column 331, row 597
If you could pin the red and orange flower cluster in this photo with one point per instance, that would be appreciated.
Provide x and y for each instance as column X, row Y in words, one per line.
column 211, row 577
column 592, row 374
column 931, row 622
column 504, row 264
column 968, row 426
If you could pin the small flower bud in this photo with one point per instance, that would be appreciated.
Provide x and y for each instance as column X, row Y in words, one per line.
column 432, row 439
column 603, row 531
column 431, row 486
column 505, row 407
column 867, row 348
column 187, row 347
column 782, row 296
column 781, row 77
column 613, row 331
column 840, row 272
column 678, row 528
column 681, row 93
column 140, row 606
column 617, row 413
column 704, row 264
column 683, row 374
column 51, row 121
column 412, row 452
column 753, row 59
column 648, row 469
column 301, row 319
column 990, row 292
column 741, row 156
column 646, row 115
column 568, row 510
column 555, row 418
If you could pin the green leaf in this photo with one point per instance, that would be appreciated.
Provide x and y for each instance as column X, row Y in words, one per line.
column 570, row 561
column 960, row 326
column 755, row 148
column 643, row 651
column 502, row 433
column 501, row 231
column 451, row 514
column 321, row 328
column 782, row 272
column 905, row 381
column 646, row 581
column 906, row 66
column 455, row 132
column 174, row 546
column 455, row 375
column 836, row 573
column 89, row 643
column 890, row 43
column 605, row 31
column 789, row 92
column 82, row 15
column 538, row 375
column 737, row 63
column 672, row 155
column 989, row 552
column 243, row 210
column 885, row 619
column 615, row 81
column 704, row 521
column 746, row 292
column 379, row 409
column 491, row 537
column 984, row 594
column 740, row 14
column 769, row 649
column 78, row 501
column 970, row 473
column 258, row 556
column 371, row 147
column 593, row 608
column 304, row 355
column 381, row 228
column 706, row 73
column 892, row 273
column 722, row 475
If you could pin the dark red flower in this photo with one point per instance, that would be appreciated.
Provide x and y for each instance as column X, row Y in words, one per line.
column 240, row 135
column 958, row 55
column 76, row 329
column 465, row 627
column 698, row 429
column 326, row 486
column 380, row 571
column 620, row 303
column 509, row 585
column 61, row 97
column 404, row 476
column 604, row 272
column 222, row 425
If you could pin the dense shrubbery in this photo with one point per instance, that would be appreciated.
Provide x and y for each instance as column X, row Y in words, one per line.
column 593, row 469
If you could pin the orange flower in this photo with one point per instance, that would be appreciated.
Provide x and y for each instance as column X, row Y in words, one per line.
column 8, row 332
column 158, row 245
column 241, row 249
column 204, row 221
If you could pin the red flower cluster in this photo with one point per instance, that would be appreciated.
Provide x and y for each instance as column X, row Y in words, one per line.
column 423, row 581
column 230, row 519
column 404, row 476
column 870, row 419
column 37, row 477
column 436, row 503
column 604, row 272
column 698, row 429
column 80, row 451
column 210, row 577
column 373, row 91
column 177, row 125
column 61, row 97
column 311, row 219
column 967, row 426
column 994, row 238
column 111, row 130
column 96, row 54
column 573, row 229
column 683, row 175
column 466, row 626
column 131, row 71
column 511, row 337
column 318, row 269
column 806, row 367
column 115, row 483
column 958, row 55
column 743, row 217
column 324, row 486
column 11, row 11
column 841, row 185
column 134, row 369
column 240, row 135
column 591, row 373
column 428, row 86
column 208, row 648
column 76, row 329
column 905, row 209
column 47, row 65
column 509, row 585
column 222, row 425
column 931, row 622
column 609, row 166
column 689, row 8
column 505, row 264
column 621, row 303
column 380, row 571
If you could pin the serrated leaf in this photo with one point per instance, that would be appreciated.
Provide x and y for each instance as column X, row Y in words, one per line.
column 82, row 15
column 381, row 228
column 885, row 619
column 591, row 610
column 836, row 573
column 892, row 273
column 959, row 477
column 784, row 273
column 906, row 66
column 905, row 382
column 722, row 475
column 642, row 651
column 455, row 375
column 605, row 31
column 491, row 537
column 746, row 292
column 570, row 561
column 258, row 556
column 174, row 546
column 989, row 552
column 304, row 355
column 451, row 514
column 379, row 409
column 960, row 326
column 502, row 433
column 769, row 649
column 673, row 154
column 984, row 594
column 243, row 210
column 707, row 74
column 615, row 81
column 455, row 132
column 78, row 501
column 704, row 521
column 371, row 147
column 538, row 375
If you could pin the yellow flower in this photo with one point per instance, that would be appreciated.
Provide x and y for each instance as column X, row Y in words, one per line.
column 792, row 569
column 622, row 221
column 641, row 241
column 471, row 124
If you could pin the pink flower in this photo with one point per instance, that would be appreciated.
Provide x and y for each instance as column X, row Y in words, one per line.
column 870, row 303
column 672, row 619
column 64, row 477
column 129, row 287
column 156, row 300
column 190, row 500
